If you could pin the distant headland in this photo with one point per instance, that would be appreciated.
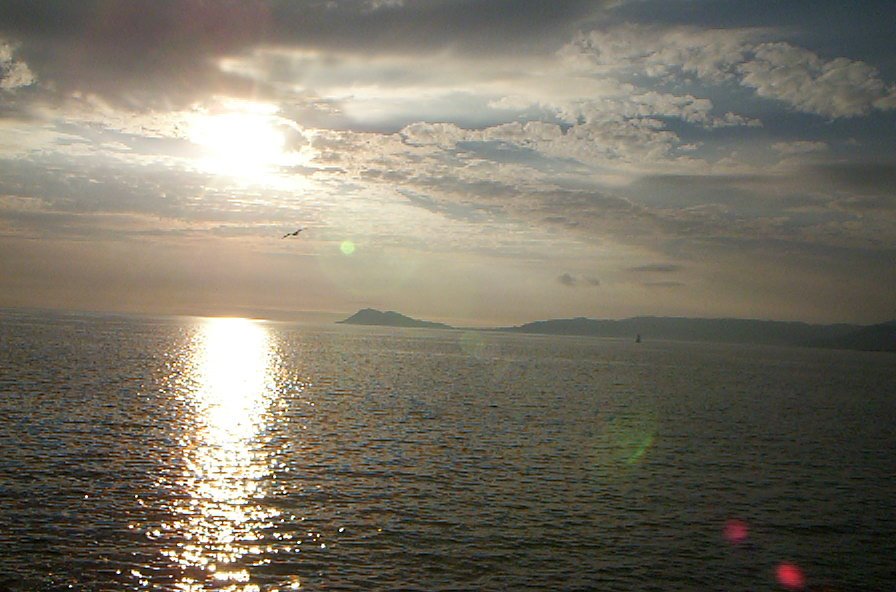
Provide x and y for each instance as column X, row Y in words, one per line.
column 880, row 337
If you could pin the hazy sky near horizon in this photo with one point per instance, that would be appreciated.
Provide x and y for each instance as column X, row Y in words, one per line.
column 491, row 161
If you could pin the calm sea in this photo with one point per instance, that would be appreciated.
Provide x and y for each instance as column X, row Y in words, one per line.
column 203, row 454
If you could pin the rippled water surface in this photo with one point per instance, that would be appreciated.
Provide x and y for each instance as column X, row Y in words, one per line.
column 225, row 454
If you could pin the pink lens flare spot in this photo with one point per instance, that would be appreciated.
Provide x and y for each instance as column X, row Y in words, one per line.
column 736, row 531
column 790, row 576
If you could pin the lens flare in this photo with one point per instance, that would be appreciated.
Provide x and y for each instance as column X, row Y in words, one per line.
column 623, row 436
column 474, row 344
column 790, row 576
column 640, row 449
column 347, row 247
column 736, row 531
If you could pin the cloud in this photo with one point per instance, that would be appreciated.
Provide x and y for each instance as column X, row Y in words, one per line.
column 148, row 54
column 140, row 54
column 73, row 189
column 838, row 87
column 417, row 117
column 835, row 88
column 569, row 280
column 664, row 284
column 657, row 268
column 526, row 173
column 659, row 51
column 384, row 4
column 14, row 73
column 438, row 95
column 865, row 179
column 800, row 147
column 627, row 103
column 442, row 135
column 601, row 138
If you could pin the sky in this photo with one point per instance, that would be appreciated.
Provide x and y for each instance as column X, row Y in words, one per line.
column 485, row 162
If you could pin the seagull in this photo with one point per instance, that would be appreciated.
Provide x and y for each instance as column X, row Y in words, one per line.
column 296, row 233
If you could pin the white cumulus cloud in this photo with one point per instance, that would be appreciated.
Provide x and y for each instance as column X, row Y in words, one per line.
column 838, row 87
column 14, row 73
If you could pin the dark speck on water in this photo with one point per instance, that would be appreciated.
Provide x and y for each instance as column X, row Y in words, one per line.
column 203, row 454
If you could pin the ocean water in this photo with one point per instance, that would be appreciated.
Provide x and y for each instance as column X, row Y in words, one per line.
column 225, row 454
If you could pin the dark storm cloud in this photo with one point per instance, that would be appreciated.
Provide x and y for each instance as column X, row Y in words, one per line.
column 466, row 25
column 142, row 54
column 152, row 53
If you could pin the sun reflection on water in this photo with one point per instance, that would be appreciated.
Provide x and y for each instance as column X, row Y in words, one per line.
column 219, row 517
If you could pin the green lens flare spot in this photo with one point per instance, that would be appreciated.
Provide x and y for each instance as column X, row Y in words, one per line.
column 472, row 344
column 640, row 449
column 347, row 247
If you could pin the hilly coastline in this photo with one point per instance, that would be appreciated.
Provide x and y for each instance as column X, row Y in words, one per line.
column 686, row 329
column 880, row 337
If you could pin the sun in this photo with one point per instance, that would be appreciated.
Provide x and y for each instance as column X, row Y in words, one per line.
column 246, row 141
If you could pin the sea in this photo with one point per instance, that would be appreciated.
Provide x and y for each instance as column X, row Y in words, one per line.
column 182, row 453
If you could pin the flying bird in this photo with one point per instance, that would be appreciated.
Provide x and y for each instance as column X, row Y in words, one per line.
column 296, row 233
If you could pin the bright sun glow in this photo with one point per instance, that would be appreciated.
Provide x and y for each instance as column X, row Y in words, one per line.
column 246, row 141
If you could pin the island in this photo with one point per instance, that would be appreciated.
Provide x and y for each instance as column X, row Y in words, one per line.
column 370, row 316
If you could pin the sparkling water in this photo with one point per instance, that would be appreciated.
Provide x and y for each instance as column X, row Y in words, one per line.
column 226, row 454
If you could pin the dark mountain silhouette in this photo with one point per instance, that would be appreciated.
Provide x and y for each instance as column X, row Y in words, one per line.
column 685, row 329
column 370, row 316
column 880, row 337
